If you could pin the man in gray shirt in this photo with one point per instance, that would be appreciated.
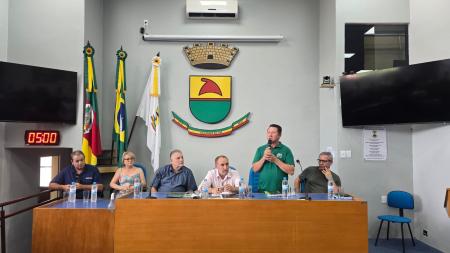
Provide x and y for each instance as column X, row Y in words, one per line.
column 315, row 178
column 174, row 177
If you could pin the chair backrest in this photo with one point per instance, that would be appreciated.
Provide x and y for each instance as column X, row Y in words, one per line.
column 142, row 167
column 400, row 199
column 302, row 185
column 253, row 178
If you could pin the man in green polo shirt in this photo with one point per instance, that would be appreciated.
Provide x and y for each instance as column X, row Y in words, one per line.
column 273, row 161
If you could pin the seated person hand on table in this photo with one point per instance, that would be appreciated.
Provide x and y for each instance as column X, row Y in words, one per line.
column 84, row 175
column 222, row 178
column 174, row 177
column 316, row 177
column 125, row 176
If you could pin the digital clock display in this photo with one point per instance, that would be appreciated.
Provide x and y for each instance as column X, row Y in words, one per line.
column 42, row 137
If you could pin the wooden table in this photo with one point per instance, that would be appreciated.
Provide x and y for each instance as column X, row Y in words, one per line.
column 180, row 225
column 63, row 229
column 213, row 225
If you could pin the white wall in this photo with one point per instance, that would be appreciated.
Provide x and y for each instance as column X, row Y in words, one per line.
column 371, row 179
column 429, row 41
column 44, row 33
column 276, row 82
column 49, row 34
column 4, row 5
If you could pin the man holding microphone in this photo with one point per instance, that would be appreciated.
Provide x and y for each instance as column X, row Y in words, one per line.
column 273, row 161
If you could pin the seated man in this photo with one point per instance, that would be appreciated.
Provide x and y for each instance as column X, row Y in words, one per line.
column 84, row 175
column 317, row 177
column 174, row 177
column 222, row 178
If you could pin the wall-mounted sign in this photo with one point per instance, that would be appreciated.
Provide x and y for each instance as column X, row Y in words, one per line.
column 210, row 102
column 375, row 148
column 210, row 98
column 210, row 55
column 42, row 137
column 210, row 133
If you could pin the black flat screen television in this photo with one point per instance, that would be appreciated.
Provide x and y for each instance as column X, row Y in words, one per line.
column 36, row 94
column 418, row 93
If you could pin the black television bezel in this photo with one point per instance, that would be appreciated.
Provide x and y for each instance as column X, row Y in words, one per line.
column 73, row 121
column 444, row 64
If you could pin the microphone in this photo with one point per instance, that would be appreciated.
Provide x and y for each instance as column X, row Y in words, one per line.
column 301, row 167
column 269, row 143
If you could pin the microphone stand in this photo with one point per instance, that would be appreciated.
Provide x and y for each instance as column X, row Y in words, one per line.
column 307, row 197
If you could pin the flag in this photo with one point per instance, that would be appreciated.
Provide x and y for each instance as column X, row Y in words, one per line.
column 91, row 144
column 120, row 111
column 149, row 111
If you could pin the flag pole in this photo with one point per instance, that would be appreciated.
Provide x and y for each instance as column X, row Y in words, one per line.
column 132, row 129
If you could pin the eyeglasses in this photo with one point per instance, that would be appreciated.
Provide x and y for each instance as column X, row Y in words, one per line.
column 324, row 161
column 128, row 159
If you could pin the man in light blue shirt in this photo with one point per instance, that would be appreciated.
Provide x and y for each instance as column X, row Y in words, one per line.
column 174, row 177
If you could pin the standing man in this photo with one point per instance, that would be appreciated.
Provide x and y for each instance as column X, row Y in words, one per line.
column 316, row 178
column 273, row 161
column 222, row 178
column 84, row 175
column 174, row 177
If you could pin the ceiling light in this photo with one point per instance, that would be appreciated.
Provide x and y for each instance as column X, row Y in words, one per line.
column 348, row 55
column 371, row 31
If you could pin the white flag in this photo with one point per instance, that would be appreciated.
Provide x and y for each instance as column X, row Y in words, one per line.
column 149, row 111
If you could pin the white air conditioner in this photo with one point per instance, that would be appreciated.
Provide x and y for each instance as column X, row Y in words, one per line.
column 212, row 9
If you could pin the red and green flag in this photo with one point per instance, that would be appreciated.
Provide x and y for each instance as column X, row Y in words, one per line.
column 120, row 112
column 91, row 144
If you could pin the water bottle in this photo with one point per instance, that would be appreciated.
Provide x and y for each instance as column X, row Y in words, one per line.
column 72, row 192
column 284, row 188
column 241, row 188
column 111, row 201
column 204, row 189
column 94, row 192
column 330, row 190
column 136, row 187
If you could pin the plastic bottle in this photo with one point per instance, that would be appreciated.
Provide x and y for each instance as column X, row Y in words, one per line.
column 330, row 189
column 136, row 188
column 204, row 194
column 94, row 192
column 111, row 201
column 72, row 192
column 284, row 188
column 241, row 188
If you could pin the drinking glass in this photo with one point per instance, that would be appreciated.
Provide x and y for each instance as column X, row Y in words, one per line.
column 86, row 196
column 249, row 191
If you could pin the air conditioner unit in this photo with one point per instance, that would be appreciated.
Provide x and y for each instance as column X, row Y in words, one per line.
column 212, row 9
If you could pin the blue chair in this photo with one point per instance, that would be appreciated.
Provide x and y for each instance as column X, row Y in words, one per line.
column 142, row 167
column 401, row 200
column 253, row 178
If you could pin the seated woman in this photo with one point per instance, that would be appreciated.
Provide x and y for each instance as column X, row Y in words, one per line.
column 123, row 179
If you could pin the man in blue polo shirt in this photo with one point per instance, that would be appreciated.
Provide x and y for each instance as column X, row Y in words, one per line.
column 174, row 177
column 84, row 175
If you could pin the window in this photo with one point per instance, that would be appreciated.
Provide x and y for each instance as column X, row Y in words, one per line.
column 45, row 171
column 370, row 47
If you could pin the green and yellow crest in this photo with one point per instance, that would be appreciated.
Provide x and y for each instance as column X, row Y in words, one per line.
column 210, row 98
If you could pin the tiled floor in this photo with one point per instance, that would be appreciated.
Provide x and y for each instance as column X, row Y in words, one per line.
column 395, row 246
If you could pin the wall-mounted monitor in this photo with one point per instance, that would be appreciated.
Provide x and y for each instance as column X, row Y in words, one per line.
column 36, row 94
column 418, row 93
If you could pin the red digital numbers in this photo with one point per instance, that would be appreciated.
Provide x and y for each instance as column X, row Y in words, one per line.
column 42, row 137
